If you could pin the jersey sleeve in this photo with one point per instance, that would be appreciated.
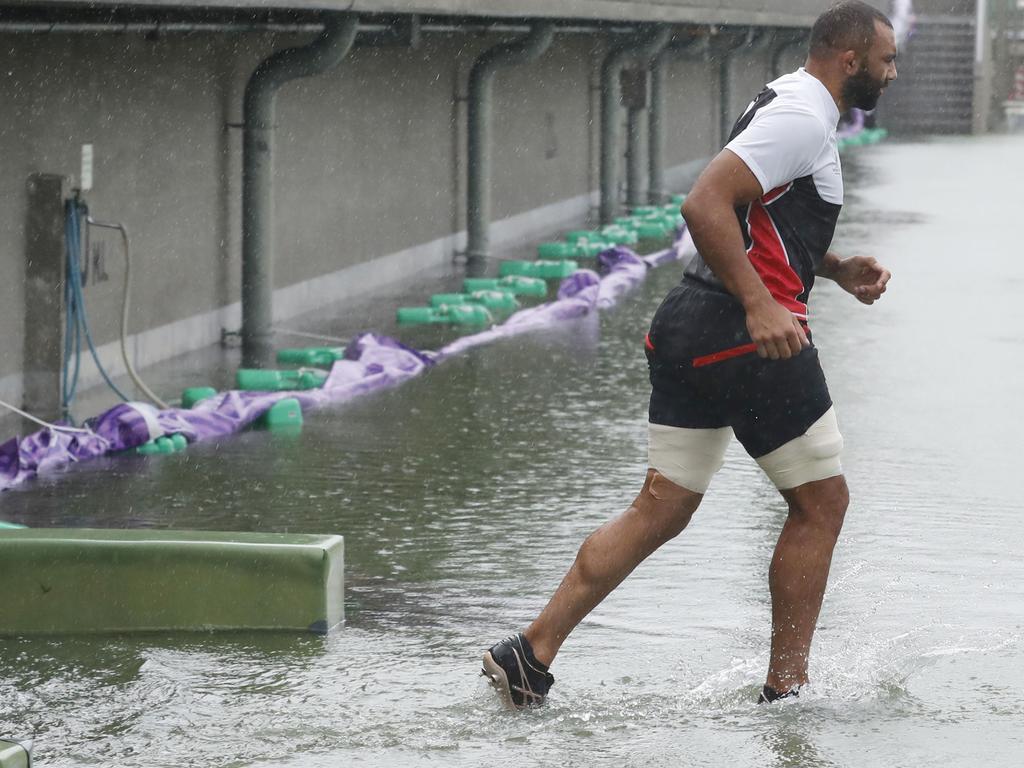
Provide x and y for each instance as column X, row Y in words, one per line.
column 780, row 145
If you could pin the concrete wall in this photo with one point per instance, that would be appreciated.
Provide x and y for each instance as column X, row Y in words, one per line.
column 154, row 112
column 789, row 13
column 692, row 102
column 370, row 166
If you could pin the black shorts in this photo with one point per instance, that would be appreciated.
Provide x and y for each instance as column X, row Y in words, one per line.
column 706, row 374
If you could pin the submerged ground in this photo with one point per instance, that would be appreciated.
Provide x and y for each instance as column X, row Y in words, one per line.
column 463, row 495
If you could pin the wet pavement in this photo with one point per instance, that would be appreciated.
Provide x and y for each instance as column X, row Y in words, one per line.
column 464, row 493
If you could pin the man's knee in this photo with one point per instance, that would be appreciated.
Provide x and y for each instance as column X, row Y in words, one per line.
column 666, row 507
column 822, row 503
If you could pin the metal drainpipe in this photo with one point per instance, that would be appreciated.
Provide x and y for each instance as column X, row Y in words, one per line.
column 656, row 115
column 616, row 58
column 634, row 117
column 478, row 150
column 752, row 40
column 782, row 43
column 257, row 173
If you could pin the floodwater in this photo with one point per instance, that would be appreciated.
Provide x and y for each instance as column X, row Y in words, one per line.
column 463, row 495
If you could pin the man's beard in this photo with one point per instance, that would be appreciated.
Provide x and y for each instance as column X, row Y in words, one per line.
column 862, row 91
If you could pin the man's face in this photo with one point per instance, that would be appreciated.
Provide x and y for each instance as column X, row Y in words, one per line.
column 872, row 72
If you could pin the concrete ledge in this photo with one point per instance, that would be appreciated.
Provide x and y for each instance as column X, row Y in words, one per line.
column 14, row 754
column 71, row 581
column 795, row 13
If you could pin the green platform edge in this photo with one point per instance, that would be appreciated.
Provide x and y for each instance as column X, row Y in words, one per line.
column 14, row 755
column 81, row 581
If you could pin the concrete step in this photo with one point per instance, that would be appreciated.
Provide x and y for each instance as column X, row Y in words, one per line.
column 949, row 85
column 938, row 122
column 937, row 52
column 935, row 92
column 925, row 94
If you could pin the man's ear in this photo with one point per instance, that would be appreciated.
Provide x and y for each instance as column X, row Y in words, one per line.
column 851, row 62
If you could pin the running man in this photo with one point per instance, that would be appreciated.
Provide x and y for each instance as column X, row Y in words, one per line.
column 730, row 352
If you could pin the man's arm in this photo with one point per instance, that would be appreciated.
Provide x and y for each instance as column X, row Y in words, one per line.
column 830, row 266
column 861, row 276
column 710, row 215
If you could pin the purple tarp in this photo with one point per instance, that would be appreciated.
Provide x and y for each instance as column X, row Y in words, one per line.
column 371, row 363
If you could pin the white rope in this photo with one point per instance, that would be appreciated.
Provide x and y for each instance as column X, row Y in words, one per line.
column 125, row 303
column 54, row 427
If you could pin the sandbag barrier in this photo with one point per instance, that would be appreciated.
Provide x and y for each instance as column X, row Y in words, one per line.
column 370, row 363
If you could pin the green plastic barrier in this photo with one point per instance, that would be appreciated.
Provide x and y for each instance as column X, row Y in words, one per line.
column 678, row 200
column 72, row 581
column 192, row 395
column 448, row 314
column 267, row 380
column 14, row 754
column 619, row 235
column 283, row 416
column 592, row 249
column 517, row 285
column 317, row 357
column 646, row 210
column 162, row 445
column 578, row 236
column 499, row 301
column 4, row 525
column 557, row 250
column 652, row 231
column 546, row 270
column 873, row 135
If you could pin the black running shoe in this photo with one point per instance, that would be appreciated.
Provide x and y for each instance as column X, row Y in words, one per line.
column 769, row 694
column 521, row 680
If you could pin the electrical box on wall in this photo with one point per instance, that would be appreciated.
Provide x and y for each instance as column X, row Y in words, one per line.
column 86, row 177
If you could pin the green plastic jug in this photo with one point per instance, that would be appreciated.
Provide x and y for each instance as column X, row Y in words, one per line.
column 318, row 357
column 269, row 380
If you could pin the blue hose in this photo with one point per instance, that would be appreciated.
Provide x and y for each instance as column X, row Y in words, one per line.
column 77, row 323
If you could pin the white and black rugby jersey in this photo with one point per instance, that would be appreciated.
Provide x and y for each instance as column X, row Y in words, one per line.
column 787, row 137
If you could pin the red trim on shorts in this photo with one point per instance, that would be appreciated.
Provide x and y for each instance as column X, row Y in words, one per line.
column 725, row 354
column 731, row 352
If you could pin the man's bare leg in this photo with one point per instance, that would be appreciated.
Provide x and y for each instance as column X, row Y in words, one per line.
column 661, row 512
column 798, row 574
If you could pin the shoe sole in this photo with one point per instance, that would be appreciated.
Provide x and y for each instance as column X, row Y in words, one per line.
column 493, row 671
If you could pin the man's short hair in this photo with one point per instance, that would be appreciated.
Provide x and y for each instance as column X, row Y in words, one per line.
column 848, row 25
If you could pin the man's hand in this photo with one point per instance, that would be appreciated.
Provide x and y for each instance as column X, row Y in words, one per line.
column 863, row 277
column 776, row 332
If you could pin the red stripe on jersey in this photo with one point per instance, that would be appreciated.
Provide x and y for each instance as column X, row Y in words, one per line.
column 768, row 255
column 776, row 193
column 647, row 342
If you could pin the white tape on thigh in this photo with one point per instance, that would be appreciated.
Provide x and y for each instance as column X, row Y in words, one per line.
column 687, row 457
column 812, row 456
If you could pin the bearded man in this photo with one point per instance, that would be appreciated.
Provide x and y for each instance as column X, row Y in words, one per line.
column 730, row 352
